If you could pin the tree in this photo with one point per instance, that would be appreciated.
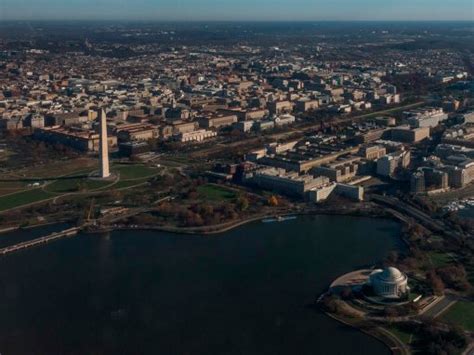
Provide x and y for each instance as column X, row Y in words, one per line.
column 193, row 195
column 206, row 210
column 437, row 284
column 242, row 203
column 392, row 257
column 273, row 201
column 190, row 218
column 454, row 276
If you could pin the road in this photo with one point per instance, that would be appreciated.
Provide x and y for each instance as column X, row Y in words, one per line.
column 404, row 208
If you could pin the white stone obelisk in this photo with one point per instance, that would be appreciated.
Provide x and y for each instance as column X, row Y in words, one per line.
column 103, row 146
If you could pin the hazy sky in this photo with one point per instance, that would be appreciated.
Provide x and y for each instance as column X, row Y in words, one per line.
column 239, row 9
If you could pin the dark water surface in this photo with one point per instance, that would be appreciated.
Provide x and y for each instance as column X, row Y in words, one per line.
column 22, row 235
column 467, row 212
column 243, row 292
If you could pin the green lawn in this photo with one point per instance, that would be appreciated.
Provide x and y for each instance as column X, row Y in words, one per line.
column 400, row 334
column 215, row 193
column 462, row 314
column 23, row 198
column 128, row 183
column 8, row 187
column 440, row 259
column 76, row 185
column 129, row 172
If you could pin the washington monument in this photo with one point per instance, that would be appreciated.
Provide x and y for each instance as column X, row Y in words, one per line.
column 103, row 146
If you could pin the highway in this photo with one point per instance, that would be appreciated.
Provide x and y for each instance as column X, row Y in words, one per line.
column 406, row 209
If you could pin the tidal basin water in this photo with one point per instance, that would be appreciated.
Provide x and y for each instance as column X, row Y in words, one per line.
column 246, row 291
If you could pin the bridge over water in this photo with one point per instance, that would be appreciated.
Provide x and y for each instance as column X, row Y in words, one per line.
column 38, row 241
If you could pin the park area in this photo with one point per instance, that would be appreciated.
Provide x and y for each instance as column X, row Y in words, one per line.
column 461, row 314
column 23, row 198
column 216, row 193
column 74, row 181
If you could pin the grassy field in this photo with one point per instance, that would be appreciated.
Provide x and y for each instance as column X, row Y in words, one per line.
column 8, row 187
column 59, row 168
column 400, row 334
column 440, row 259
column 23, row 198
column 76, row 185
column 129, row 172
column 215, row 193
column 129, row 183
column 130, row 175
column 462, row 314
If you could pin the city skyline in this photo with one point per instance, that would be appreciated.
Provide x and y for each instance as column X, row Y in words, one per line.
column 245, row 10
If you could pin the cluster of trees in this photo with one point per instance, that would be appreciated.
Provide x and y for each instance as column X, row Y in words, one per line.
column 416, row 233
column 242, row 203
column 451, row 276
column 461, row 225
column 167, row 180
column 144, row 219
column 198, row 215
column 435, row 338
column 425, row 204
column 454, row 276
column 438, row 340
column 435, row 282
column 414, row 258
column 44, row 151
column 140, row 197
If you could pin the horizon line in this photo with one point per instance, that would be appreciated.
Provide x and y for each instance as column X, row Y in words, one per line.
column 233, row 20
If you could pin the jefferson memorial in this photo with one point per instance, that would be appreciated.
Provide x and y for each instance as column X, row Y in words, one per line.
column 389, row 283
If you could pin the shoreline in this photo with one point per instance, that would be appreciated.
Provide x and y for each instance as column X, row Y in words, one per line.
column 222, row 228
column 391, row 342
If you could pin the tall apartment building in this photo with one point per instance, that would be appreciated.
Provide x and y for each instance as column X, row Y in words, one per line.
column 373, row 152
column 428, row 117
column 387, row 165
column 462, row 174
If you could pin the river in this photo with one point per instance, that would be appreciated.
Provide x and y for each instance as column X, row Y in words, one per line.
column 246, row 291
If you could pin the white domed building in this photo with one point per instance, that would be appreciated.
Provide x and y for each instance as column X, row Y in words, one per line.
column 389, row 283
